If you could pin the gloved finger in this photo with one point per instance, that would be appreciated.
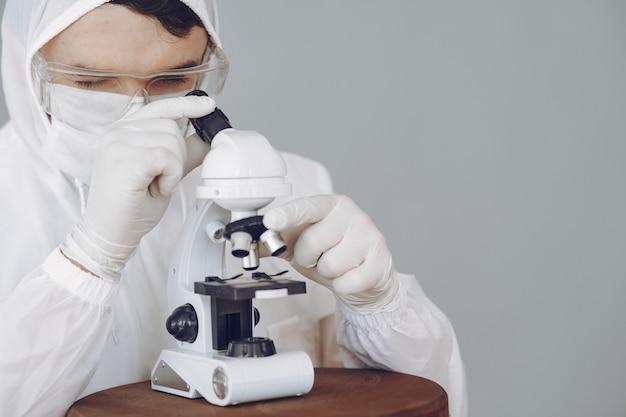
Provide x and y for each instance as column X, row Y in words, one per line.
column 355, row 246
column 329, row 226
column 196, row 151
column 157, row 167
column 363, row 277
column 316, row 240
column 175, row 108
column 147, row 135
column 167, row 168
column 302, row 211
column 341, row 242
column 141, row 131
column 366, row 275
column 154, row 149
column 292, row 218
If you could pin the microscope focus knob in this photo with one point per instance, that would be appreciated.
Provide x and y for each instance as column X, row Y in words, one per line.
column 257, row 316
column 183, row 323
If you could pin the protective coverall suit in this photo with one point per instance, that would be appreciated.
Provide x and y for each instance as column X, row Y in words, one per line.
column 65, row 333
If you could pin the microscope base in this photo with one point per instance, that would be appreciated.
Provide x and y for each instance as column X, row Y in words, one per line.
column 224, row 380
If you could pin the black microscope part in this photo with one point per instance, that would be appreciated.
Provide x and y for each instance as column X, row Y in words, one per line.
column 210, row 125
column 251, row 347
column 251, row 225
column 183, row 323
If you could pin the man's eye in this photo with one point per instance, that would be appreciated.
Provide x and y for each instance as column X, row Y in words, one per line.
column 89, row 85
column 174, row 80
column 165, row 85
column 99, row 84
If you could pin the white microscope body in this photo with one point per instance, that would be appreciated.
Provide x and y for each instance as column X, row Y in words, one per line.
column 217, row 358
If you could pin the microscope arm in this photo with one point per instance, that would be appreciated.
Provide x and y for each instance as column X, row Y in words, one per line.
column 199, row 253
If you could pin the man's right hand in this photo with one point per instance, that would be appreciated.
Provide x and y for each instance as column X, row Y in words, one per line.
column 140, row 161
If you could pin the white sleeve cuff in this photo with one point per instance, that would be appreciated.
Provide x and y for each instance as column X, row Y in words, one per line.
column 373, row 318
column 78, row 282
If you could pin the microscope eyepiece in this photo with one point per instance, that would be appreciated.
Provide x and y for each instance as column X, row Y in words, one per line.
column 210, row 125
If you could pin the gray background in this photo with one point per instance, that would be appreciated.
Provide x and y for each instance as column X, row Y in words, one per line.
column 487, row 141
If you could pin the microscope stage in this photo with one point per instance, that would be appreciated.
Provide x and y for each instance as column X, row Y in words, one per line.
column 249, row 288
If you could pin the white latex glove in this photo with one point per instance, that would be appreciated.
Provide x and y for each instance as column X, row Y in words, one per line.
column 333, row 242
column 140, row 161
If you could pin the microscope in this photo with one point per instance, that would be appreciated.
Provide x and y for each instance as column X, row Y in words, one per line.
column 212, row 317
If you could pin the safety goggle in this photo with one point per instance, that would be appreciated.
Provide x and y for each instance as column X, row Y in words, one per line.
column 84, row 96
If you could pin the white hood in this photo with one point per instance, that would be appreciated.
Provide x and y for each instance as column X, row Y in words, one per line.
column 41, row 204
column 27, row 25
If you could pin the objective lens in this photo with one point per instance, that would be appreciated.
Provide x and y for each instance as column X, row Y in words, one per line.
column 273, row 242
column 241, row 242
column 251, row 262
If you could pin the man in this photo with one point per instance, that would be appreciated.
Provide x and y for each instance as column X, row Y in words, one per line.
column 101, row 164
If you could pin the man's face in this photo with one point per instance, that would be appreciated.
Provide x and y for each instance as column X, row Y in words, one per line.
column 112, row 37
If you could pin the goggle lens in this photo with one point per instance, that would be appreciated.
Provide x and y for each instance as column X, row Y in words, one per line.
column 155, row 86
column 73, row 95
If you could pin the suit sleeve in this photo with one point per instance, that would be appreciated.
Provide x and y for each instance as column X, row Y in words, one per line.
column 54, row 326
column 416, row 338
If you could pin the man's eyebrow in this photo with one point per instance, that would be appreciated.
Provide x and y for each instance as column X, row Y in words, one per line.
column 187, row 64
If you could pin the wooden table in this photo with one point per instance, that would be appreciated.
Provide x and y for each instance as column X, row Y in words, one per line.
column 336, row 392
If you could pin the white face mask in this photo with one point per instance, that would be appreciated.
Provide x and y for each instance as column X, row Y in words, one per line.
column 86, row 109
column 71, row 150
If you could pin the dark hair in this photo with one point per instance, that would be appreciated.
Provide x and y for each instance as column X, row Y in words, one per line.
column 175, row 16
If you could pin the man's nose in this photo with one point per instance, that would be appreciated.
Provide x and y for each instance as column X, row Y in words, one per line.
column 133, row 86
